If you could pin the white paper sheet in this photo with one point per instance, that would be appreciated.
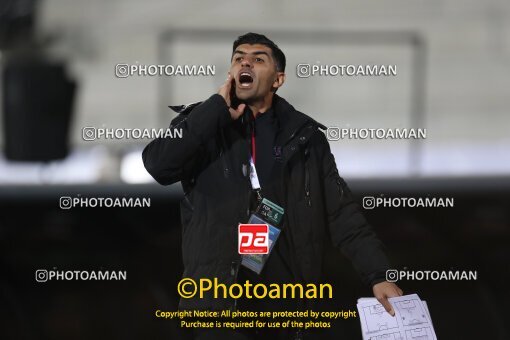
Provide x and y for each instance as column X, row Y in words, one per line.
column 411, row 321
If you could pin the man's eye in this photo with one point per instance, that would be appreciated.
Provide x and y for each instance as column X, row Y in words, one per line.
column 238, row 59
column 259, row 59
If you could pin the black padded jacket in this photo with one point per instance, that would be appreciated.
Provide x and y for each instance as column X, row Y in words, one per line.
column 211, row 162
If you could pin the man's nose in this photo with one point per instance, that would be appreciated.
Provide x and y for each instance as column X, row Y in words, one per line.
column 246, row 62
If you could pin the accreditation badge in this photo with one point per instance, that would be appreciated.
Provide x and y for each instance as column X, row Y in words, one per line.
column 270, row 214
column 270, row 211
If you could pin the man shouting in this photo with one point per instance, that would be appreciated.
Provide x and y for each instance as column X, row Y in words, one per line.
column 247, row 155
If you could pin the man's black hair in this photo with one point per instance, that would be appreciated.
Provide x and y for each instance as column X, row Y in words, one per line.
column 255, row 38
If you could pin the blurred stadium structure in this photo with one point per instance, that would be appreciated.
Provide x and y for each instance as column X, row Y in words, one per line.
column 453, row 64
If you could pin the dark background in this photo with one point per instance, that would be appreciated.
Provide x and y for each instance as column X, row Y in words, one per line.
column 36, row 234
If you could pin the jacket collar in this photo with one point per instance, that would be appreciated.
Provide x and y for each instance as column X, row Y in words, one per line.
column 289, row 119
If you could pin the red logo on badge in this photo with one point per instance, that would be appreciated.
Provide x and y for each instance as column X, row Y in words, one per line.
column 253, row 238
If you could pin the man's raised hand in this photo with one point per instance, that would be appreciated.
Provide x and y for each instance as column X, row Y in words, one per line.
column 225, row 91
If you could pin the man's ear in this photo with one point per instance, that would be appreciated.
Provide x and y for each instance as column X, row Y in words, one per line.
column 278, row 82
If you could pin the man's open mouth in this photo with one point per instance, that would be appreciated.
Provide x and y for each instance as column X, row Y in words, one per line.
column 245, row 79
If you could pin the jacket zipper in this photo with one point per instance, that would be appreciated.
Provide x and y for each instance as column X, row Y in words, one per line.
column 307, row 180
column 224, row 161
column 307, row 187
column 339, row 182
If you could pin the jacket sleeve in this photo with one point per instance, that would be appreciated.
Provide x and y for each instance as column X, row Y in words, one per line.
column 348, row 227
column 170, row 159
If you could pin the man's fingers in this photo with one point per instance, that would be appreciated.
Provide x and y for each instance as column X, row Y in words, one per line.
column 393, row 292
column 228, row 84
column 385, row 290
column 240, row 108
column 387, row 305
column 224, row 90
column 237, row 112
column 228, row 80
